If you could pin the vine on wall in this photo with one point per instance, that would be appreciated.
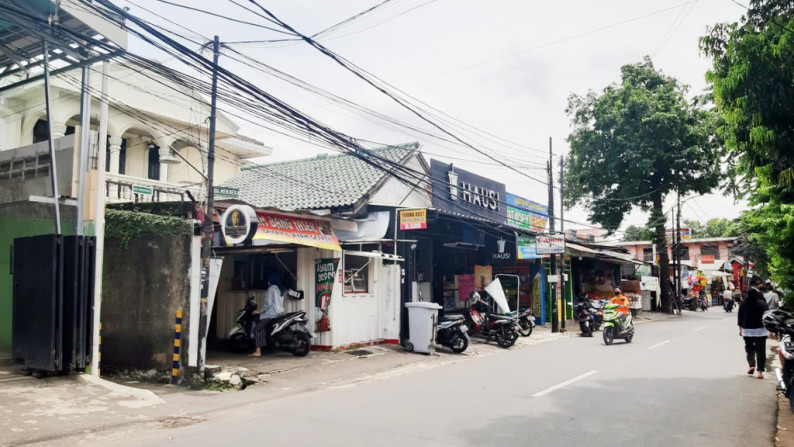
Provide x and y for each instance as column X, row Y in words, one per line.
column 127, row 225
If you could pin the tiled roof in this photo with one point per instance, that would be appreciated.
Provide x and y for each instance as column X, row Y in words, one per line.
column 325, row 181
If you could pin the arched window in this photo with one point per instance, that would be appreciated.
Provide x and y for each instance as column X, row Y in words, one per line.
column 154, row 162
column 40, row 131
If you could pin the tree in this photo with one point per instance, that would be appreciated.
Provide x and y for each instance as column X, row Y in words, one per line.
column 635, row 233
column 716, row 227
column 635, row 143
column 753, row 83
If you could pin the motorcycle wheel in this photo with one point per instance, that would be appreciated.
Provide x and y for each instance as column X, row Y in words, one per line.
column 524, row 328
column 506, row 339
column 304, row 345
column 238, row 343
column 586, row 332
column 609, row 336
column 629, row 337
column 458, row 344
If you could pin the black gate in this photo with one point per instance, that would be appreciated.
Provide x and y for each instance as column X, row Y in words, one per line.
column 53, row 296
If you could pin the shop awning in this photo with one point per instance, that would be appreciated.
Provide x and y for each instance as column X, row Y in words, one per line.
column 292, row 229
column 714, row 266
column 606, row 255
column 375, row 255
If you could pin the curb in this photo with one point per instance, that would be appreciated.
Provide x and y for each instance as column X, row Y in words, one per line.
column 145, row 397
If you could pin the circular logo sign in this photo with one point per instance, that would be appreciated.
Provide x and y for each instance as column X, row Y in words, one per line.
column 238, row 224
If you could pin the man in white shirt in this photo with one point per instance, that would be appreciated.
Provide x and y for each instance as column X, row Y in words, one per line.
column 771, row 297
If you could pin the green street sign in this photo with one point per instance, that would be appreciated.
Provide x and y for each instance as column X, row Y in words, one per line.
column 142, row 190
column 226, row 191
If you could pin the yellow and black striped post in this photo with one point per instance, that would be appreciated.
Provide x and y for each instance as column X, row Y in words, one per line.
column 177, row 346
column 99, row 353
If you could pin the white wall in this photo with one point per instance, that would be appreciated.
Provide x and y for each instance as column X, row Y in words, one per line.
column 396, row 193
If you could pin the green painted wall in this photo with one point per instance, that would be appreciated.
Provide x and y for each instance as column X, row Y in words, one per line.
column 22, row 221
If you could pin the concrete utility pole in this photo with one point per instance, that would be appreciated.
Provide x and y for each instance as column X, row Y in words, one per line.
column 555, row 322
column 50, row 140
column 208, row 227
column 562, row 230
column 678, row 247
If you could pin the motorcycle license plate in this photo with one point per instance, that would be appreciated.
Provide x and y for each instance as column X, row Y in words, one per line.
column 789, row 346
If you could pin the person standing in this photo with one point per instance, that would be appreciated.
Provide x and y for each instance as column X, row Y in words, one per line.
column 771, row 297
column 272, row 308
column 751, row 328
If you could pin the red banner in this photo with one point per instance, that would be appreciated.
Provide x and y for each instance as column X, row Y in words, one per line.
column 296, row 230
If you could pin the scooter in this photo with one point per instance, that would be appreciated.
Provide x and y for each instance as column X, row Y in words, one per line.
column 488, row 325
column 286, row 332
column 782, row 323
column 616, row 325
column 525, row 322
column 587, row 315
column 453, row 334
column 728, row 305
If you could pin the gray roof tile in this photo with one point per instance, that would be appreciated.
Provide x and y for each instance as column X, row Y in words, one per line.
column 313, row 183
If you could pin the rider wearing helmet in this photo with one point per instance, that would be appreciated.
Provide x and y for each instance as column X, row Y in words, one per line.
column 623, row 304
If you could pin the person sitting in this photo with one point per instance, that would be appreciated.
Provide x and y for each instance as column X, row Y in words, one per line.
column 272, row 308
column 623, row 305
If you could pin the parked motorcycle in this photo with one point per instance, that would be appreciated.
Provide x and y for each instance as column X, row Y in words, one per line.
column 728, row 305
column 490, row 326
column 287, row 332
column 525, row 322
column 453, row 334
column 589, row 317
column 782, row 323
column 616, row 325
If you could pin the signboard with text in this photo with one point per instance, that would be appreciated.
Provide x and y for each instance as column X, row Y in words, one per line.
column 527, row 248
column 467, row 193
column 707, row 259
column 526, row 214
column 413, row 220
column 296, row 230
column 550, row 244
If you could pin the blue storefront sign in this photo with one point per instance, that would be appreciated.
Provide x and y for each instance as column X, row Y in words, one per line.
column 466, row 193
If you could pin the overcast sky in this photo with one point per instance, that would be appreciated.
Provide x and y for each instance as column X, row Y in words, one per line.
column 505, row 67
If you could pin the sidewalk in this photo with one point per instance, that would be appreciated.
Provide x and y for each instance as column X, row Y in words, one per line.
column 48, row 411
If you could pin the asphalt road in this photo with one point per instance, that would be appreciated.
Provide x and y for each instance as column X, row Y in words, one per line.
column 681, row 382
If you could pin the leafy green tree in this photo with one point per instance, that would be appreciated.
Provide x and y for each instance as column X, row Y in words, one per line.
column 753, row 83
column 635, row 143
column 635, row 233
column 716, row 227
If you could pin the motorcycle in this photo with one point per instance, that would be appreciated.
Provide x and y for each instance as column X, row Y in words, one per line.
column 286, row 332
column 728, row 305
column 589, row 317
column 453, row 334
column 616, row 326
column 703, row 303
column 525, row 322
column 490, row 326
column 782, row 323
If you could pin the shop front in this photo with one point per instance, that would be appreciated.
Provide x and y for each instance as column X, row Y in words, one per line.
column 349, row 291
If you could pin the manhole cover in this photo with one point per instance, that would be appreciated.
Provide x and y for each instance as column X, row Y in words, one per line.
column 359, row 352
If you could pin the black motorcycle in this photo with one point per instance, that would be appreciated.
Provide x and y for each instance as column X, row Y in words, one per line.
column 286, row 332
column 728, row 305
column 589, row 317
column 453, row 334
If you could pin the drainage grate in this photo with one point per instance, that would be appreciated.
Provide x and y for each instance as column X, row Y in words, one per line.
column 359, row 352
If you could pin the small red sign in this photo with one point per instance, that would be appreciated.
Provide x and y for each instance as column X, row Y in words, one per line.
column 707, row 259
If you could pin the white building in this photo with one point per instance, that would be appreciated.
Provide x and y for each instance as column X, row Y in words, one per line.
column 151, row 121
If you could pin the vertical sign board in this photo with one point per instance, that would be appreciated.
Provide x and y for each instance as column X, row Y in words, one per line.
column 413, row 220
column 526, row 214
column 466, row 193
column 325, row 276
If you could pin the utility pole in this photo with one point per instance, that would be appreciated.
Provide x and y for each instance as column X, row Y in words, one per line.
column 555, row 322
column 50, row 140
column 562, row 230
column 208, row 227
column 678, row 247
column 745, row 281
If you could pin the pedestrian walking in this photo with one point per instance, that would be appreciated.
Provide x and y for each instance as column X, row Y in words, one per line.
column 771, row 297
column 751, row 328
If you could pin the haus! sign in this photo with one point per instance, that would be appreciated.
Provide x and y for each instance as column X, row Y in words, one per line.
column 500, row 250
column 467, row 193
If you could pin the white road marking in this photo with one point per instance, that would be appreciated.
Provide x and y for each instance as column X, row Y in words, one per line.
column 564, row 384
column 659, row 344
column 700, row 328
column 726, row 319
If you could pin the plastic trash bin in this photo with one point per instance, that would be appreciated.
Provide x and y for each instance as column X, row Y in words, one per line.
column 422, row 323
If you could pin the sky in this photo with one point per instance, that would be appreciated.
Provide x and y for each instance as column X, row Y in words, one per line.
column 505, row 68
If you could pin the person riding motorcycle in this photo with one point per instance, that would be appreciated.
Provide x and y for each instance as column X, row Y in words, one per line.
column 623, row 305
